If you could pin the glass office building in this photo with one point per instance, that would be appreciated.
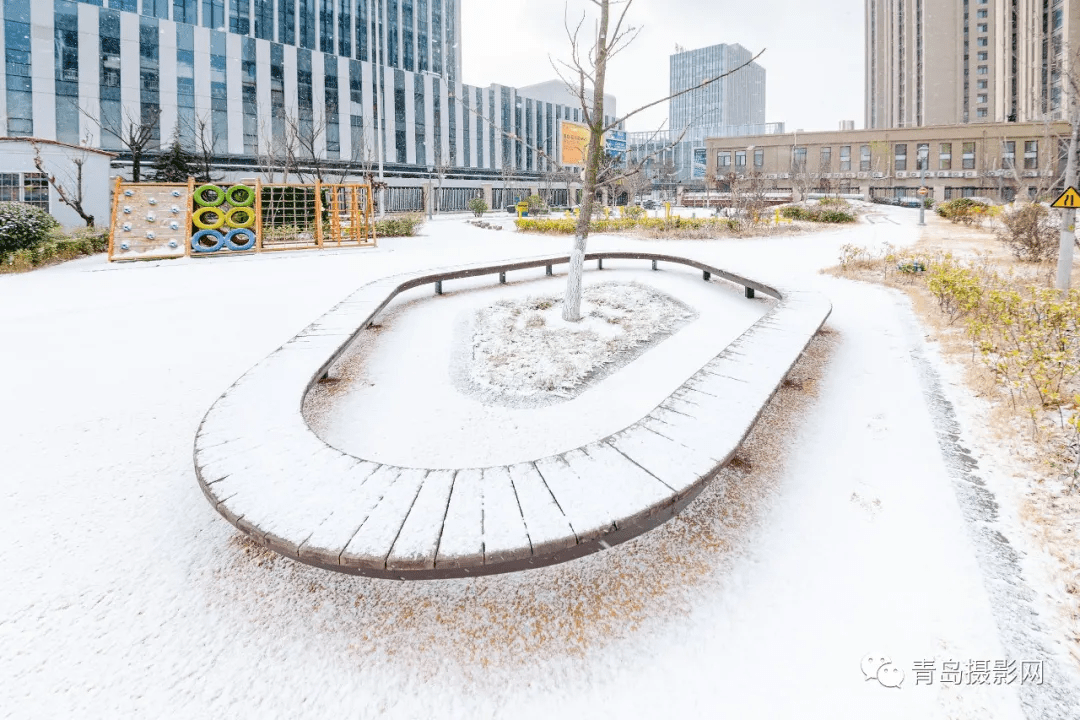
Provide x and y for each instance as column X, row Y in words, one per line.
column 246, row 80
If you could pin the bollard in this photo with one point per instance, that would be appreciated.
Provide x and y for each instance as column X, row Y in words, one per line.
column 705, row 275
column 600, row 264
column 653, row 264
column 438, row 287
column 502, row 278
column 547, row 271
column 750, row 293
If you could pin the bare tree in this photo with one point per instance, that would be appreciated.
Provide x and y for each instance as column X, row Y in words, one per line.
column 72, row 191
column 136, row 133
column 204, row 151
column 442, row 169
column 507, row 173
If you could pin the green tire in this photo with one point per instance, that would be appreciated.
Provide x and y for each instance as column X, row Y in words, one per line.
column 219, row 195
column 240, row 196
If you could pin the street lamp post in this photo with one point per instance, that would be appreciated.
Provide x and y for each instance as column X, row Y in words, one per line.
column 923, row 161
column 431, row 191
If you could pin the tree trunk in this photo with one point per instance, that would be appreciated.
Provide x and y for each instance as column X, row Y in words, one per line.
column 572, row 299
column 1068, row 219
column 136, row 166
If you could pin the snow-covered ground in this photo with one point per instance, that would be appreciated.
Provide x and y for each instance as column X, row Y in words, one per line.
column 407, row 396
column 845, row 531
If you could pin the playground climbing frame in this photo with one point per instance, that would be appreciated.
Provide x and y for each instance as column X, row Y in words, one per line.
column 154, row 221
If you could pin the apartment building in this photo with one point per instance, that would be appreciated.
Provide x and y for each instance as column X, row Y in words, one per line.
column 996, row 160
column 945, row 62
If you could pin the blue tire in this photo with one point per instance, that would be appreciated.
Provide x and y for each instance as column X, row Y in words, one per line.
column 230, row 239
column 213, row 235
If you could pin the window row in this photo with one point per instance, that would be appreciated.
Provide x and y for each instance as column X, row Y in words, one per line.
column 728, row 160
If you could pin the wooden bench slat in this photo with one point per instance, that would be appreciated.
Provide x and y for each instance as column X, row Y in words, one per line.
column 415, row 546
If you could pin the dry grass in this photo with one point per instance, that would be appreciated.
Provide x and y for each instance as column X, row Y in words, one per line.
column 1042, row 453
column 481, row 629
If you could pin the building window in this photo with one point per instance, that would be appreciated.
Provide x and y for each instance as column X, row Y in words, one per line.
column 826, row 158
column 9, row 187
column 1031, row 155
column 306, row 14
column 723, row 160
column 326, row 26
column 982, row 84
column 214, row 14
column 981, row 112
column 983, row 26
column 845, row 158
column 30, row 188
column 407, row 37
column 436, row 38
column 799, row 159
column 759, row 157
column 186, row 11
column 900, row 158
column 945, row 156
column 1008, row 154
column 982, row 42
column 982, row 14
column 983, row 56
column 982, row 70
column 981, row 98
column 740, row 158
column 36, row 190
column 864, row 158
column 922, row 156
column 969, row 155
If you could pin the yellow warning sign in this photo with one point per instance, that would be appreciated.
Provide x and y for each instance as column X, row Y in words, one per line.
column 1069, row 200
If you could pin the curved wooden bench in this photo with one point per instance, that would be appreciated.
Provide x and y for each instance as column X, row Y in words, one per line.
column 267, row 473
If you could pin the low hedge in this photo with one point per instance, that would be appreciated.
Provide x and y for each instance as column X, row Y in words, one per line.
column 399, row 226
column 58, row 247
column 568, row 226
column 829, row 213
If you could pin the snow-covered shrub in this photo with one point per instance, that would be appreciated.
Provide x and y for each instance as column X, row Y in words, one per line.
column 1029, row 232
column 23, row 226
column 478, row 206
column 401, row 226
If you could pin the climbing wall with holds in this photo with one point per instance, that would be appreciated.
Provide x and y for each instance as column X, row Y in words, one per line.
column 150, row 221
column 224, row 219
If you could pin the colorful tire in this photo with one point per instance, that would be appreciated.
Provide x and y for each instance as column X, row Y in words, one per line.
column 230, row 217
column 197, row 218
column 247, row 196
column 219, row 195
column 217, row 238
column 230, row 239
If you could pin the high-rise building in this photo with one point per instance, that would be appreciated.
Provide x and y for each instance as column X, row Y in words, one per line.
column 353, row 77
column 945, row 62
column 737, row 100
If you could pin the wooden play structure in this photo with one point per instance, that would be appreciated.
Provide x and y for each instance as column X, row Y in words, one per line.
column 154, row 221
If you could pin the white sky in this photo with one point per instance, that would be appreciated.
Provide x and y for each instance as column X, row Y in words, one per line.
column 813, row 59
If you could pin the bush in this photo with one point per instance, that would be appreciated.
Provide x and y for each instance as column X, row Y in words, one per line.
column 1028, row 231
column 830, row 213
column 965, row 210
column 478, row 206
column 23, row 226
column 634, row 212
column 400, row 226
column 654, row 227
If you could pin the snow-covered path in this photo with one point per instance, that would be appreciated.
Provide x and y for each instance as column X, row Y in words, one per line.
column 125, row 595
